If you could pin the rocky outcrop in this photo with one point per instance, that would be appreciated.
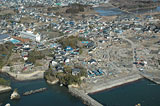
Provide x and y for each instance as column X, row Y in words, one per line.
column 15, row 95
column 53, row 82
column 7, row 104
column 5, row 89
column 73, row 86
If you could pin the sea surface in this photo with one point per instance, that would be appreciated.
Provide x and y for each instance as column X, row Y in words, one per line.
column 103, row 11
column 54, row 96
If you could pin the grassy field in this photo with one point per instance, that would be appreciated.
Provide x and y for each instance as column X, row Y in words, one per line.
column 5, row 53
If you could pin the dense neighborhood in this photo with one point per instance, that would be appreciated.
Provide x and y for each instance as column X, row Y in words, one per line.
column 85, row 53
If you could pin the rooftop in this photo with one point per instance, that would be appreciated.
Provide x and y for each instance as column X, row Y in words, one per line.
column 3, row 36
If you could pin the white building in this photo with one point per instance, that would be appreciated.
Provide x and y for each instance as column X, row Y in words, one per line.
column 30, row 35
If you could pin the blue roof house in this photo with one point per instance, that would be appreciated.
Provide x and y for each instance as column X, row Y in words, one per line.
column 68, row 48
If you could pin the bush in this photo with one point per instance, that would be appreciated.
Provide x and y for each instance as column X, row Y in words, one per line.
column 70, row 41
column 35, row 55
column 75, row 8
column 4, row 82
column 67, row 69
column 68, row 79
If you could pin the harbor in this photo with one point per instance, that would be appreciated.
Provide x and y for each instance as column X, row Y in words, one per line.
column 142, row 91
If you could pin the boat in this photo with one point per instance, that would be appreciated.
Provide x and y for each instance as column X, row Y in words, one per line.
column 138, row 104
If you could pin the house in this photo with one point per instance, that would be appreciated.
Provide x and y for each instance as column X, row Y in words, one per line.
column 54, row 63
column 4, row 38
column 28, row 64
column 59, row 68
column 68, row 48
column 66, row 60
column 24, row 54
column 92, row 61
column 21, row 39
column 91, row 44
column 25, row 58
column 53, row 45
column 30, row 35
column 75, row 71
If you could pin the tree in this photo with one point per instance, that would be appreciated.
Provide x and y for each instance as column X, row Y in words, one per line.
column 67, row 69
column 35, row 55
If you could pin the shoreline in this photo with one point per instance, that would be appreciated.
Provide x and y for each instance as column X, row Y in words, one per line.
column 52, row 82
column 113, row 83
column 116, row 86
column 25, row 77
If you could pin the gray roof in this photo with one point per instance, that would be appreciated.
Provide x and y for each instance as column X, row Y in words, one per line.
column 3, row 36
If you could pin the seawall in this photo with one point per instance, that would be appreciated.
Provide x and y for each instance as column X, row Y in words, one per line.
column 86, row 99
column 113, row 83
column 152, row 77
column 27, row 76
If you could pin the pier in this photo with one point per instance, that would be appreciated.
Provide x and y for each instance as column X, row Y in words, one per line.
column 86, row 99
column 34, row 91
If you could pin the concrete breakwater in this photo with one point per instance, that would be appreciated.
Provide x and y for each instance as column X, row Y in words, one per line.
column 34, row 91
column 87, row 99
